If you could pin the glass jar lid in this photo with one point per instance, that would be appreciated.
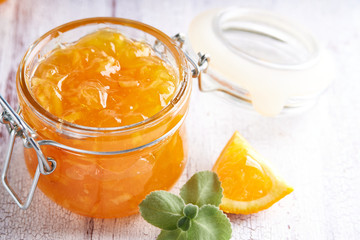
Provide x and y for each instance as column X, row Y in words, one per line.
column 261, row 59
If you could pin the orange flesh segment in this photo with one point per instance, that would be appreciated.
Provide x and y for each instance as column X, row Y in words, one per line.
column 252, row 181
column 249, row 184
column 104, row 80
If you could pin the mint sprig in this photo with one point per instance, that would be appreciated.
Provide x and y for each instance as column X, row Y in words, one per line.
column 194, row 215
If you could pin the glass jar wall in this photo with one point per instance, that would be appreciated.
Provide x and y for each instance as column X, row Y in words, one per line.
column 106, row 172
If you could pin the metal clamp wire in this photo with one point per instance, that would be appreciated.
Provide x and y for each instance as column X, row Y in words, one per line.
column 72, row 149
column 199, row 66
column 21, row 127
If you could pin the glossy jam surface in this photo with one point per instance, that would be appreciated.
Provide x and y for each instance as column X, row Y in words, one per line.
column 107, row 80
column 104, row 80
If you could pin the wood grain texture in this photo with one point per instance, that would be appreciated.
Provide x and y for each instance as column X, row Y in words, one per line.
column 317, row 152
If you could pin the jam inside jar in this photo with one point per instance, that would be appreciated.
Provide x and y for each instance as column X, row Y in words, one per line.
column 122, row 140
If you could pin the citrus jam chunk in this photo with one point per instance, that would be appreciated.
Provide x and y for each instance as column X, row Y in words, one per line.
column 104, row 80
column 249, row 184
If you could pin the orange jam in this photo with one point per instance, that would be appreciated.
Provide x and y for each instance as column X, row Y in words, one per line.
column 89, row 92
column 104, row 80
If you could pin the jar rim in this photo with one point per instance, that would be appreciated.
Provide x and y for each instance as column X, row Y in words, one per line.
column 181, row 64
column 267, row 25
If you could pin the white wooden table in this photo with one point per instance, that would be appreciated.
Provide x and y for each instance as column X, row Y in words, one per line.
column 317, row 152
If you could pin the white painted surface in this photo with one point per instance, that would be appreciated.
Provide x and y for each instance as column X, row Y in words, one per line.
column 317, row 152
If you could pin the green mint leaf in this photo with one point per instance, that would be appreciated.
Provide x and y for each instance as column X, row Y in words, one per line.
column 210, row 224
column 172, row 235
column 202, row 188
column 162, row 209
column 191, row 211
column 184, row 223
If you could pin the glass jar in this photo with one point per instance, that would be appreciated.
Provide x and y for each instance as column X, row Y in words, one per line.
column 261, row 61
column 103, row 172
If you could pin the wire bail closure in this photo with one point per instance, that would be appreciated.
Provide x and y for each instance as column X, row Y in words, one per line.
column 17, row 127
column 200, row 65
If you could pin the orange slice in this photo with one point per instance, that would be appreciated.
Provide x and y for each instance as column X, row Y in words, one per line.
column 249, row 183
